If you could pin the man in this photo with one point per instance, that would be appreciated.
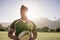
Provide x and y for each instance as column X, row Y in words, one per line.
column 22, row 24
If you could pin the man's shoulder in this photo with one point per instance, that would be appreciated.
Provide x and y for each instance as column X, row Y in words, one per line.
column 33, row 23
column 13, row 23
column 16, row 20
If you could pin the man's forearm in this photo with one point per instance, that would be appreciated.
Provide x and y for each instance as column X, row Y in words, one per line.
column 34, row 34
column 10, row 34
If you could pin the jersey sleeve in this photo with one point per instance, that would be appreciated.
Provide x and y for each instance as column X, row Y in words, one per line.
column 34, row 31
column 12, row 25
column 34, row 28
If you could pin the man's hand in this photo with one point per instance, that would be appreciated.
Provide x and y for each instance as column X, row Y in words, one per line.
column 15, row 38
column 10, row 33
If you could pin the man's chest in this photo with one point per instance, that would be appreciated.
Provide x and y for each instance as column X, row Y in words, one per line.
column 24, row 25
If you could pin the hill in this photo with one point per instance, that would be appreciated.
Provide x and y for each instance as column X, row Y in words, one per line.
column 5, row 24
column 42, row 22
column 49, row 23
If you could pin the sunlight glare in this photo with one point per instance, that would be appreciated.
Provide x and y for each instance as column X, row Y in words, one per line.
column 32, row 15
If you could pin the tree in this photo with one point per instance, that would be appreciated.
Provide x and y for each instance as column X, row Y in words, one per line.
column 2, row 28
column 57, row 29
column 38, row 29
column 45, row 29
column 52, row 30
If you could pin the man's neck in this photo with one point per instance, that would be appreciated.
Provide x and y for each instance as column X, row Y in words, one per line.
column 24, row 18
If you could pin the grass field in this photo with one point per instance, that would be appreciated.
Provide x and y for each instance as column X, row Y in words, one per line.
column 41, row 36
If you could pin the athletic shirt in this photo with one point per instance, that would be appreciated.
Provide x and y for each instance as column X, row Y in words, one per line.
column 20, row 26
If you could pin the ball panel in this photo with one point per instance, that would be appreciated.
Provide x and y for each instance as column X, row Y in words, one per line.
column 24, row 35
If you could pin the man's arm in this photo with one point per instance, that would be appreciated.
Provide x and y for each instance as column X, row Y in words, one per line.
column 34, row 31
column 12, row 30
column 10, row 33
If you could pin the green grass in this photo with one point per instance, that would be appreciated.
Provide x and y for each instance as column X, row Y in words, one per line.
column 4, row 36
column 48, row 36
column 41, row 36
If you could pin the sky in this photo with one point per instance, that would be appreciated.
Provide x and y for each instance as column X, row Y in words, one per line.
column 10, row 9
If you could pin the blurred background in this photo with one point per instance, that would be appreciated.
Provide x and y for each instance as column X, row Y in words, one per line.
column 44, row 13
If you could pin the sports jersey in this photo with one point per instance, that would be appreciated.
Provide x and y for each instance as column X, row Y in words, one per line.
column 20, row 26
